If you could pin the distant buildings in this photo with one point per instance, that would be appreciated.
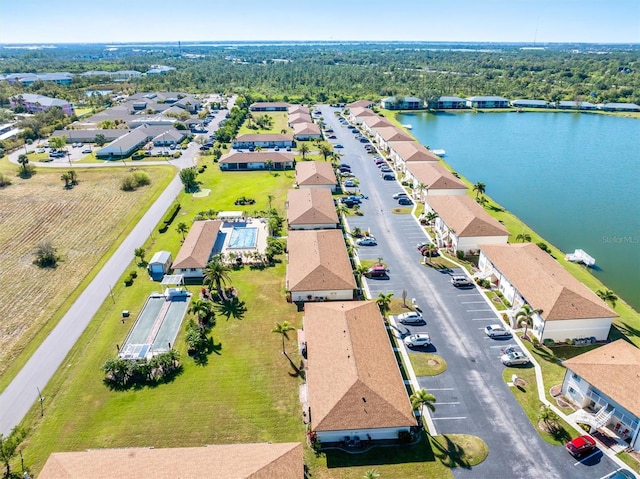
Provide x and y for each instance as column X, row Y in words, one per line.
column 36, row 103
column 402, row 103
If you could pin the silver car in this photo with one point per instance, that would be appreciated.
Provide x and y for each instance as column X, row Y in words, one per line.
column 515, row 358
column 419, row 340
column 412, row 317
column 496, row 330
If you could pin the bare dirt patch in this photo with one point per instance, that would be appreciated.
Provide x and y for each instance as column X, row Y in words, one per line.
column 82, row 223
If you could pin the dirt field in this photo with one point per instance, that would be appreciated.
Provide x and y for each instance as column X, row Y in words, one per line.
column 82, row 223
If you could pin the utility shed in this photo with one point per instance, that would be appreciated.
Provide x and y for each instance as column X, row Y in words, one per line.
column 159, row 265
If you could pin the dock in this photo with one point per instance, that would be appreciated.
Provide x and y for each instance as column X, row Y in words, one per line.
column 580, row 256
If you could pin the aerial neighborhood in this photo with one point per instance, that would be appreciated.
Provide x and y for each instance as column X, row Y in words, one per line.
column 249, row 285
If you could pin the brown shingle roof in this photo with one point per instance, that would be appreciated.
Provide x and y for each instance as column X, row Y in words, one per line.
column 462, row 214
column 360, row 104
column 299, row 118
column 614, row 369
column 264, row 137
column 392, row 133
column 318, row 261
column 435, row 176
column 362, row 112
column 309, row 206
column 412, row 151
column 353, row 377
column 545, row 284
column 229, row 461
column 257, row 157
column 307, row 128
column 198, row 244
column 377, row 121
column 298, row 109
column 314, row 173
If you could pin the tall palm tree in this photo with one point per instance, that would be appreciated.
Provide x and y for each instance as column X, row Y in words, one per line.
column 384, row 301
column 202, row 309
column 431, row 217
column 479, row 188
column 304, row 149
column 325, row 150
column 420, row 189
column 270, row 198
column 182, row 228
column 608, row 296
column 342, row 209
column 269, row 165
column 525, row 316
column 359, row 271
column 24, row 161
column 283, row 328
column 216, row 273
column 429, row 251
column 522, row 237
column 421, row 399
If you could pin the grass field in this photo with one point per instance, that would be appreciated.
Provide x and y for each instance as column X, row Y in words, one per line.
column 84, row 223
column 279, row 118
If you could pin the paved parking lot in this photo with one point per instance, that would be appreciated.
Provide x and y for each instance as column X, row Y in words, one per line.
column 471, row 395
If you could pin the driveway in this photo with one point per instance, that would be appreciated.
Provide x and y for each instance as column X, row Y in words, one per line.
column 472, row 397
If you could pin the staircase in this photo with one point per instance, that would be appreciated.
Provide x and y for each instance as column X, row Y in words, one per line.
column 597, row 420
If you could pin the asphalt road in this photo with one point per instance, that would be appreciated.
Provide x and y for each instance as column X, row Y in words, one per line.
column 22, row 392
column 472, row 397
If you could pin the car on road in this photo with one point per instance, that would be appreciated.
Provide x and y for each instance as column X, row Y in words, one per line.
column 346, row 165
column 353, row 198
column 332, row 137
column 581, row 445
column 347, row 174
column 385, row 169
column 329, row 130
column 388, row 176
column 345, row 169
column 400, row 195
column 40, row 151
column 459, row 280
column 411, row 317
column 350, row 183
column 420, row 340
column 366, row 241
column 86, row 151
column 496, row 330
column 515, row 358
column 338, row 146
column 380, row 162
column 405, row 201
column 377, row 271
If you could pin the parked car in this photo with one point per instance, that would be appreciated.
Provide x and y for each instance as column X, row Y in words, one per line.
column 346, row 165
column 366, row 241
column 40, row 151
column 338, row 146
column 620, row 474
column 496, row 330
column 420, row 340
column 412, row 317
column 400, row 195
column 388, row 176
column 405, row 202
column 332, row 137
column 86, row 151
column 380, row 162
column 377, row 271
column 459, row 280
column 581, row 445
column 329, row 130
column 344, row 169
column 364, row 140
column 347, row 174
column 350, row 183
column 385, row 169
column 204, row 148
column 354, row 198
column 516, row 358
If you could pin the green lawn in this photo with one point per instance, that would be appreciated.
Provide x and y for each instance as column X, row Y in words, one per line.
column 427, row 364
column 496, row 300
column 279, row 123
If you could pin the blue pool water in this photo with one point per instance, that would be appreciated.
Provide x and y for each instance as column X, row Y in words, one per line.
column 243, row 238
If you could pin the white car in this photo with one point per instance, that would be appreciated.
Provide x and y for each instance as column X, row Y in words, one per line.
column 40, row 150
column 400, row 195
column 412, row 317
column 366, row 241
column 515, row 358
column 419, row 340
column 496, row 330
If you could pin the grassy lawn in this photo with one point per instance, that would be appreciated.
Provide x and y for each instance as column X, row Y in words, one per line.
column 496, row 300
column 527, row 396
column 82, row 111
column 402, row 210
column 279, row 123
column 630, row 461
column 427, row 364
column 459, row 450
column 85, row 224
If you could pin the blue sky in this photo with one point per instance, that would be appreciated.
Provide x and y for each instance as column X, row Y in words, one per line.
column 80, row 21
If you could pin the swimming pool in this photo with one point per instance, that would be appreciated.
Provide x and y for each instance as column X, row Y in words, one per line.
column 243, row 238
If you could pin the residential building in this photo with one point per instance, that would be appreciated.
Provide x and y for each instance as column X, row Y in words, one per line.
column 429, row 178
column 605, row 384
column 619, row 107
column 530, row 104
column 270, row 140
column 124, row 146
column 369, row 123
column 306, row 131
column 169, row 137
column 258, row 160
column 34, row 103
column 88, row 136
column 311, row 209
column 269, row 106
column 318, row 266
column 487, row 102
column 357, row 114
column 525, row 274
column 360, row 104
column 462, row 224
column 316, row 174
column 404, row 152
column 383, row 135
column 27, row 79
column 159, row 70
column 402, row 103
column 298, row 109
column 355, row 391
column 231, row 461
column 575, row 105
column 301, row 117
column 451, row 103
column 197, row 249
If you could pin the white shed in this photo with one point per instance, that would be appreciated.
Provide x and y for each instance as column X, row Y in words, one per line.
column 159, row 265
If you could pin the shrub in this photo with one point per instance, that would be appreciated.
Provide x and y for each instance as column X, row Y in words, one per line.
column 506, row 303
column 548, row 342
column 569, row 341
column 46, row 255
column 141, row 178
column 4, row 180
column 171, row 214
column 404, row 437
column 460, row 254
column 128, row 183
column 177, row 154
column 543, row 246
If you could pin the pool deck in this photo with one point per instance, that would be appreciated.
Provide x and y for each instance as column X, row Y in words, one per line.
column 226, row 230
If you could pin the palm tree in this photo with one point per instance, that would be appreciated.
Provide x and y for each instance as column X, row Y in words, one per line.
column 325, row 150
column 202, row 309
column 429, row 251
column 522, row 237
column 525, row 316
column 384, row 301
column 422, row 398
column 371, row 474
column 216, row 273
column 607, row 296
column 139, row 253
column 431, row 217
column 420, row 188
column 304, row 149
column 67, row 180
column 9, row 447
column 359, row 272
column 479, row 188
column 257, row 148
column 342, row 209
column 24, row 161
column 182, row 228
column 270, row 198
column 283, row 329
column 269, row 165
column 548, row 417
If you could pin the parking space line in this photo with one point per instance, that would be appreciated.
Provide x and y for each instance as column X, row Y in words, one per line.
column 589, row 456
column 471, row 302
column 440, row 389
column 476, row 310
column 468, row 294
column 446, row 403
column 483, row 319
column 448, row 418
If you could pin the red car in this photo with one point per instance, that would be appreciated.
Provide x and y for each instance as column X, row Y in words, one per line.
column 581, row 445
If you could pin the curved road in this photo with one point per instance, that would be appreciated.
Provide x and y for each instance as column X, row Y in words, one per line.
column 22, row 392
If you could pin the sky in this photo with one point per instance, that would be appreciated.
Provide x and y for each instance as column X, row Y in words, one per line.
column 123, row 21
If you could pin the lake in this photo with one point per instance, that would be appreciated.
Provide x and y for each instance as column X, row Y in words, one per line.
column 573, row 178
